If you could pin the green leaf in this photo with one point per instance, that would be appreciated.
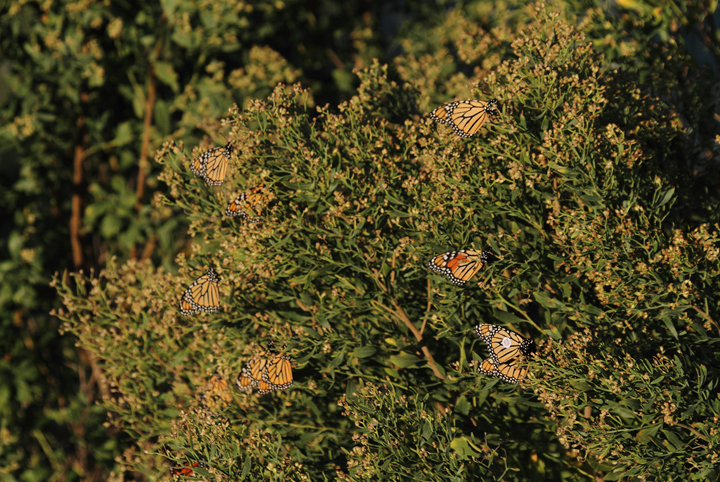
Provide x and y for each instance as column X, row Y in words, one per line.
column 15, row 244
column 624, row 412
column 110, row 226
column 676, row 443
column 580, row 384
column 707, row 474
column 668, row 195
column 161, row 116
column 166, row 75
column 461, row 446
column 462, row 405
column 246, row 466
column 364, row 351
column 645, row 435
column 545, row 123
column 123, row 134
column 427, row 429
column 310, row 332
column 182, row 39
column 669, row 325
column 404, row 360
column 507, row 317
column 208, row 18
column 616, row 474
column 335, row 362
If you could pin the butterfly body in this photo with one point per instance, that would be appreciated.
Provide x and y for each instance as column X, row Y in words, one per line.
column 211, row 166
column 466, row 117
column 459, row 266
column 202, row 295
column 247, row 205
column 507, row 349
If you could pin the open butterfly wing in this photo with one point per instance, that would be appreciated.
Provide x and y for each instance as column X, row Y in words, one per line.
column 218, row 390
column 216, row 165
column 198, row 165
column 467, row 117
column 247, row 205
column 507, row 350
column 512, row 372
column 257, row 367
column 212, row 164
column 505, row 345
column 265, row 387
column 201, row 295
column 279, row 372
column 459, row 266
column 185, row 470
column 186, row 305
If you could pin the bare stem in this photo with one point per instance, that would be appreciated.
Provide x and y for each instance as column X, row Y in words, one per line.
column 76, row 218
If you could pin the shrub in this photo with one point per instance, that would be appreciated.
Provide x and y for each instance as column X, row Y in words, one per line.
column 577, row 191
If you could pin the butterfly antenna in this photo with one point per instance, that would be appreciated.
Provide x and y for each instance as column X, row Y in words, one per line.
column 232, row 143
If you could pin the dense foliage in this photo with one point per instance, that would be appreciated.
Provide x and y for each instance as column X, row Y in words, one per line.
column 610, row 175
column 605, row 247
column 88, row 91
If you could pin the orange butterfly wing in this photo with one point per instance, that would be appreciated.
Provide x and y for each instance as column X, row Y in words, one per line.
column 512, row 372
column 212, row 165
column 507, row 349
column 441, row 115
column 185, row 470
column 466, row 117
column 488, row 368
column 279, row 372
column 201, row 295
column 247, row 205
column 459, row 266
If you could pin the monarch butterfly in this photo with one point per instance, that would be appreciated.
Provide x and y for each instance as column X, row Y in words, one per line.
column 201, row 295
column 278, row 374
column 266, row 374
column 186, row 469
column 217, row 392
column 459, row 266
column 252, row 373
column 247, row 201
column 211, row 166
column 507, row 348
column 466, row 117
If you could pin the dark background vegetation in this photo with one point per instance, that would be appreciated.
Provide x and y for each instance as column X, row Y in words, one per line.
column 90, row 90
